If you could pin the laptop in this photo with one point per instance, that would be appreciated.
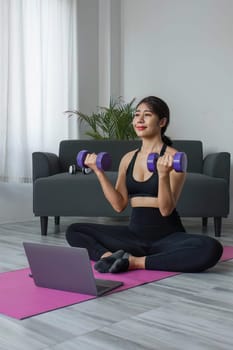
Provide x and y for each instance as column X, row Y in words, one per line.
column 65, row 268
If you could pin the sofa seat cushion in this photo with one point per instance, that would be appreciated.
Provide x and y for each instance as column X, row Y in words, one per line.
column 61, row 194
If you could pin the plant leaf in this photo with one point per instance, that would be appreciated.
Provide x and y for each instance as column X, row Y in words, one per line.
column 112, row 122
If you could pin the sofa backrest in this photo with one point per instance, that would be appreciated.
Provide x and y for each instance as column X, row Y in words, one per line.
column 69, row 149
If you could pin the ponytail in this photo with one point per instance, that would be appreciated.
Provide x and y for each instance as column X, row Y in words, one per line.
column 166, row 140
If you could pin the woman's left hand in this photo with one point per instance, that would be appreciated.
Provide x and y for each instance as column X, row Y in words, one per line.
column 165, row 164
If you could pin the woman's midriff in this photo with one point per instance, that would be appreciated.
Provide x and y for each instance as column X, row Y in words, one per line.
column 148, row 224
column 144, row 202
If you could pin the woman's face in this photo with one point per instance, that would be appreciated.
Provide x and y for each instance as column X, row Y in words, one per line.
column 146, row 122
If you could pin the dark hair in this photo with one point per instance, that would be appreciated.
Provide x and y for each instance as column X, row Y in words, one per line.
column 161, row 109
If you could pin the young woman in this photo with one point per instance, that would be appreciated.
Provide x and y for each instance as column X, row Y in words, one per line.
column 155, row 238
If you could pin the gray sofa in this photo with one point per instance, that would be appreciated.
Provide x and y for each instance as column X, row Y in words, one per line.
column 58, row 193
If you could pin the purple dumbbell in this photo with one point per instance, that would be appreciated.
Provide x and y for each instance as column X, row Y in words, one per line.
column 179, row 162
column 103, row 160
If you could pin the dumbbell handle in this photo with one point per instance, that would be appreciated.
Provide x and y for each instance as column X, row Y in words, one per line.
column 179, row 162
column 103, row 160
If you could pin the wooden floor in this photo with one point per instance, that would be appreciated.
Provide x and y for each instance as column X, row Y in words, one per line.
column 188, row 311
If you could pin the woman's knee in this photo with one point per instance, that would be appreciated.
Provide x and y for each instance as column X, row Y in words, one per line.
column 217, row 249
column 212, row 251
column 71, row 233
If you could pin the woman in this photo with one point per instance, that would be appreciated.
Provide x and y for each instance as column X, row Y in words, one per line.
column 155, row 238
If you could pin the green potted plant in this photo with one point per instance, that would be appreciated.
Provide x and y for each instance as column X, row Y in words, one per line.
column 113, row 122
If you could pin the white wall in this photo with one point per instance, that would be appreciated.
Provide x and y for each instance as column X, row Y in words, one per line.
column 182, row 51
column 87, row 99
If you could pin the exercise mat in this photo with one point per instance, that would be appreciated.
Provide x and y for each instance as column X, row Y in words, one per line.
column 20, row 298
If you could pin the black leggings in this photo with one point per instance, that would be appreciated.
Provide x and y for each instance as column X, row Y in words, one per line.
column 178, row 251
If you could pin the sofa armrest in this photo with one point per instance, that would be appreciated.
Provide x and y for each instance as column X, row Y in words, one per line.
column 217, row 165
column 44, row 164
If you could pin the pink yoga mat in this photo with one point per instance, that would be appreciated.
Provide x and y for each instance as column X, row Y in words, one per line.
column 21, row 298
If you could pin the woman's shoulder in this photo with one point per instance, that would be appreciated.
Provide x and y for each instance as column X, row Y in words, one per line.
column 129, row 155
column 126, row 159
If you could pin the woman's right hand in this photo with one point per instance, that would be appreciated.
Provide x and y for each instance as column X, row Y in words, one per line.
column 90, row 161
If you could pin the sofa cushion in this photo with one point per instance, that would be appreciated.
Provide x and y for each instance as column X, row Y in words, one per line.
column 62, row 194
column 69, row 149
column 214, row 190
column 194, row 151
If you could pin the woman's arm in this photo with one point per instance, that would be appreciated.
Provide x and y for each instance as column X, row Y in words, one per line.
column 170, row 184
column 118, row 196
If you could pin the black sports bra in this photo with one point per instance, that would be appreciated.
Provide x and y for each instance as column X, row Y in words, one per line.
column 148, row 188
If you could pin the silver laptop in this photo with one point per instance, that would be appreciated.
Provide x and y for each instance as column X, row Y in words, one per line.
column 65, row 268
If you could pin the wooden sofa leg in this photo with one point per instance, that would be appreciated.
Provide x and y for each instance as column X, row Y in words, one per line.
column 44, row 225
column 57, row 220
column 204, row 222
column 217, row 225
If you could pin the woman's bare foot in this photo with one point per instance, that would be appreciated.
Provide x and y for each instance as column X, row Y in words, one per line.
column 136, row 263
